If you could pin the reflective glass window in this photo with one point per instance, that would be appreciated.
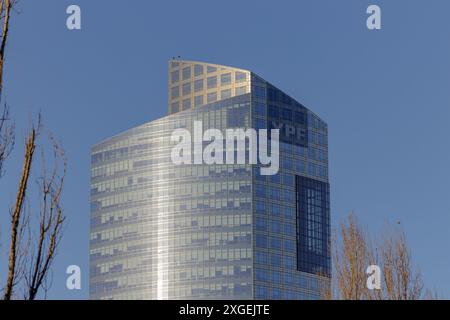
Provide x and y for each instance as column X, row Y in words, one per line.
column 212, row 97
column 198, row 85
column 175, row 92
column 186, row 73
column 198, row 69
column 212, row 82
column 186, row 88
column 225, row 79
column 240, row 76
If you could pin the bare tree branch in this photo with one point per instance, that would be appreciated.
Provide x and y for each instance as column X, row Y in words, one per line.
column 355, row 251
column 351, row 259
column 51, row 220
column 16, row 214
column 401, row 282
column 5, row 9
column 7, row 137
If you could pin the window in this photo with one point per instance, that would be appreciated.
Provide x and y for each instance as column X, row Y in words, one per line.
column 300, row 151
column 260, row 191
column 261, row 275
column 289, row 229
column 210, row 69
column 261, row 241
column 275, row 226
column 275, row 243
column 186, row 88
column 300, row 166
column 175, row 107
column 240, row 76
column 225, row 94
column 186, row 73
column 286, row 114
column 225, row 79
column 261, row 257
column 198, row 101
column 275, row 260
column 275, row 193
column 175, row 92
column 275, row 210
column 276, row 276
column 273, row 111
column 260, row 109
column 260, row 124
column 212, row 82
column 313, row 226
column 288, row 180
column 260, row 206
column 289, row 245
column 175, row 76
column 198, row 85
column 288, row 196
column 186, row 104
column 300, row 117
column 276, row 178
column 260, row 92
column 286, row 163
column 212, row 97
column 289, row 263
column 261, row 224
column 241, row 90
column 198, row 70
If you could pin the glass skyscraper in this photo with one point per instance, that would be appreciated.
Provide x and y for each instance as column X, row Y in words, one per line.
column 221, row 231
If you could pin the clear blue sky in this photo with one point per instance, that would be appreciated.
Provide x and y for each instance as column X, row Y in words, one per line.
column 384, row 94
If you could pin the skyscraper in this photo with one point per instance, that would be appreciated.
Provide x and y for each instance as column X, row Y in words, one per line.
column 161, row 230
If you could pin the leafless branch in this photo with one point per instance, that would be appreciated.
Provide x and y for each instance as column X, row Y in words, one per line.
column 6, row 6
column 51, row 220
column 356, row 251
column 7, row 137
column 17, row 211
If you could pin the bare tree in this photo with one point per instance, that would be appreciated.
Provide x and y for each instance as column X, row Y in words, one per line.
column 17, row 211
column 30, row 256
column 355, row 250
column 6, row 128
column 51, row 219
column 6, row 6
column 401, row 281
column 350, row 260
column 7, row 137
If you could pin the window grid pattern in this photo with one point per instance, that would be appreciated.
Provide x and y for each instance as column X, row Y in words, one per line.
column 189, row 80
column 313, row 226
column 207, row 232
column 276, row 272
column 160, row 231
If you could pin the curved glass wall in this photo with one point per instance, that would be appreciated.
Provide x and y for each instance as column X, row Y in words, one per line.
column 160, row 231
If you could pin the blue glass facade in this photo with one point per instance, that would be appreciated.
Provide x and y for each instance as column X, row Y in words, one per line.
column 166, row 231
column 286, row 229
